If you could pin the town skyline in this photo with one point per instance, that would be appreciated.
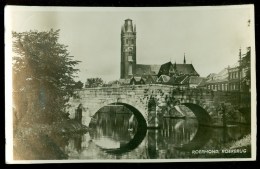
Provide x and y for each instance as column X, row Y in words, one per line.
column 209, row 37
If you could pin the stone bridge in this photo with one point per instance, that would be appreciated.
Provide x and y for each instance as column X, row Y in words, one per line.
column 146, row 101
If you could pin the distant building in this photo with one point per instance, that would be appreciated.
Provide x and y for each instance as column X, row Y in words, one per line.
column 218, row 81
column 195, row 81
column 228, row 79
column 137, row 81
column 128, row 49
column 170, row 69
column 234, row 78
column 235, row 75
column 180, row 81
column 186, row 81
column 163, row 79
column 131, row 72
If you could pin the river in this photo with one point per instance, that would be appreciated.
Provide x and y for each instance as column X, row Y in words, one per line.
column 110, row 138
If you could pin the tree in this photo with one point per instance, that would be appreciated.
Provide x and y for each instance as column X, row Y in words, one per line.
column 79, row 85
column 43, row 72
column 245, row 65
column 94, row 82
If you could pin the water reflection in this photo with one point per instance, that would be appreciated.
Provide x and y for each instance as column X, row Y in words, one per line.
column 111, row 139
column 174, row 133
column 111, row 128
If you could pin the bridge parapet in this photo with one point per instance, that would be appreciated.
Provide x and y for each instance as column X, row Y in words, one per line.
column 138, row 96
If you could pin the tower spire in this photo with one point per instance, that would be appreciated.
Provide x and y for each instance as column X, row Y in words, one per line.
column 184, row 60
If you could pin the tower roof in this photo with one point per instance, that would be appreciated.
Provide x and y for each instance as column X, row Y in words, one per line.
column 128, row 26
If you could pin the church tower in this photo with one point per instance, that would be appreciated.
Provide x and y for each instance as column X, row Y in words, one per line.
column 128, row 50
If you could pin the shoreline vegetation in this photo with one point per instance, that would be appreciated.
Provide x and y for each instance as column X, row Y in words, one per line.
column 45, row 141
column 43, row 75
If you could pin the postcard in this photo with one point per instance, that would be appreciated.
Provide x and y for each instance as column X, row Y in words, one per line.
column 122, row 84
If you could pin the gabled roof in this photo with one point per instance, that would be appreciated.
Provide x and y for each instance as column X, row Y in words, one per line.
column 203, row 82
column 166, row 65
column 195, row 80
column 217, row 81
column 172, row 80
column 178, row 80
column 138, row 78
column 164, row 78
column 211, row 75
column 222, row 76
column 164, row 69
column 150, row 77
column 185, row 80
column 186, row 69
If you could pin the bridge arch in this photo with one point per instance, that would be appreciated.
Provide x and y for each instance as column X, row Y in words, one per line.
column 141, row 119
column 201, row 114
column 140, row 132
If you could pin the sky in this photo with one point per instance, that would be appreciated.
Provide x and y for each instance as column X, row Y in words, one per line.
column 210, row 37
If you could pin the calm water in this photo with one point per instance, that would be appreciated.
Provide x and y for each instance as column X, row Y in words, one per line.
column 110, row 138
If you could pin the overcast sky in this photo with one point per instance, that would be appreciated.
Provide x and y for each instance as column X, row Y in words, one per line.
column 209, row 36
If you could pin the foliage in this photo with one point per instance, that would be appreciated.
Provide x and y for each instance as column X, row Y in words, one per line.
column 245, row 64
column 94, row 82
column 43, row 72
column 79, row 85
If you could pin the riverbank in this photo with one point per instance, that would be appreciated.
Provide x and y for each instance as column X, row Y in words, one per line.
column 243, row 142
column 237, row 149
column 44, row 141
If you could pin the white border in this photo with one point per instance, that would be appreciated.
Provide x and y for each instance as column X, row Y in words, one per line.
column 8, row 83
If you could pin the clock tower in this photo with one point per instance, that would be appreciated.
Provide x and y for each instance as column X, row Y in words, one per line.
column 128, row 50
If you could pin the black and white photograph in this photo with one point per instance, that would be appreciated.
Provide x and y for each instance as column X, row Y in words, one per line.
column 122, row 84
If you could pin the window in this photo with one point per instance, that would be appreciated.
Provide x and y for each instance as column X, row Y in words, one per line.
column 130, row 69
column 130, row 58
